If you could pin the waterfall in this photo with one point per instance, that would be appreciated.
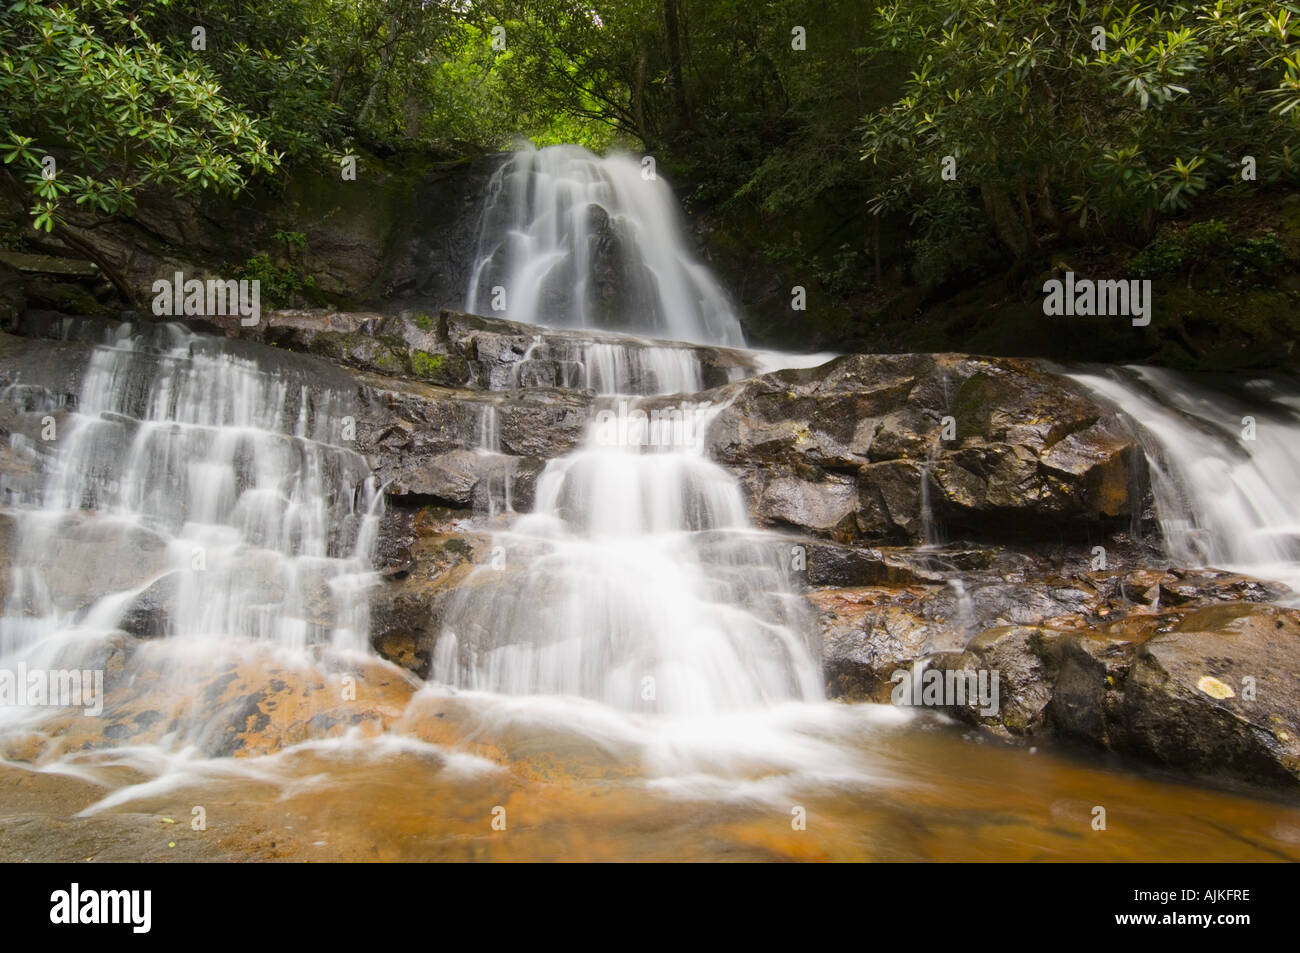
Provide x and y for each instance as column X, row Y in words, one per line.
column 931, row 533
column 641, row 584
column 1224, row 467
column 608, row 366
column 230, row 480
column 499, row 475
column 636, row 581
column 570, row 239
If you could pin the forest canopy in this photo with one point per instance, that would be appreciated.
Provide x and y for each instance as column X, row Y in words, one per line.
column 1055, row 120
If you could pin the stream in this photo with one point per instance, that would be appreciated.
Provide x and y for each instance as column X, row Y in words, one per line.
column 637, row 676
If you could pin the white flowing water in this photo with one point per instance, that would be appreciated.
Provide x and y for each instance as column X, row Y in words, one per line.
column 499, row 475
column 220, row 489
column 571, row 239
column 1224, row 468
column 608, row 367
column 636, row 581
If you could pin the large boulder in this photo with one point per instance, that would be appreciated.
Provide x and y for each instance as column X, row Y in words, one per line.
column 1020, row 657
column 867, row 635
column 1215, row 691
column 915, row 447
column 1192, row 670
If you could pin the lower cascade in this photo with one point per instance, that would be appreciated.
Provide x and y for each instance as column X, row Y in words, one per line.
column 206, row 546
column 642, row 585
column 225, row 486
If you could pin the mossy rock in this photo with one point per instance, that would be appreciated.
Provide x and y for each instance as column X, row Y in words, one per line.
column 424, row 364
column 66, row 298
column 1289, row 226
column 1228, row 330
column 380, row 354
column 447, row 369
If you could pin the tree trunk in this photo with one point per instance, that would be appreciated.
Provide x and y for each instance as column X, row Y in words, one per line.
column 1026, row 213
column 384, row 57
column 638, row 93
column 683, row 117
column 1047, row 210
column 107, row 266
column 85, row 248
column 1002, row 216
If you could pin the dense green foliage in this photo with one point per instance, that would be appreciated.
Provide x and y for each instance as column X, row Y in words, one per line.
column 100, row 99
column 803, row 124
column 305, row 80
column 90, row 84
column 187, row 96
column 1078, row 117
column 1187, row 254
column 282, row 281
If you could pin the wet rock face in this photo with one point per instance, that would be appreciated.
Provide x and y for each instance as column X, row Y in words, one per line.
column 425, row 555
column 1203, row 683
column 622, row 286
column 857, row 462
column 911, row 447
column 452, row 349
column 424, row 442
column 38, row 386
column 55, row 368
column 122, row 558
column 409, row 234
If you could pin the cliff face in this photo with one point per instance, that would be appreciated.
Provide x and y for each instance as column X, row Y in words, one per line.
column 403, row 231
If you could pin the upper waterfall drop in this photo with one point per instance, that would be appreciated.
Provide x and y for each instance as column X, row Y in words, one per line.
column 577, row 240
